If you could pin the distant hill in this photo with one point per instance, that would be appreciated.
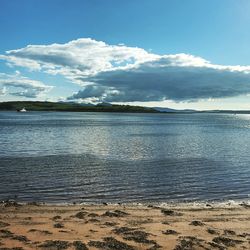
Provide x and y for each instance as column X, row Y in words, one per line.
column 73, row 107
column 168, row 110
column 100, row 107
column 227, row 111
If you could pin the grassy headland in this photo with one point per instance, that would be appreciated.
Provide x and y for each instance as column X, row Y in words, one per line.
column 73, row 107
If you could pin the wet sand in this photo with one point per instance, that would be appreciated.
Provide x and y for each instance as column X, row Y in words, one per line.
column 33, row 226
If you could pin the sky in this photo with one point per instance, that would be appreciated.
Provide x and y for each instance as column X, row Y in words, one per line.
column 158, row 53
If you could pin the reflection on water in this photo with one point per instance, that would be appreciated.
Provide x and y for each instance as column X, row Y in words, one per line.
column 96, row 157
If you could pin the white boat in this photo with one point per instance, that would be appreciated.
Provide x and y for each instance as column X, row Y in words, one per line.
column 22, row 110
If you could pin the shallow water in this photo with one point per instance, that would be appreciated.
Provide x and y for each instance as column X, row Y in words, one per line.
column 112, row 157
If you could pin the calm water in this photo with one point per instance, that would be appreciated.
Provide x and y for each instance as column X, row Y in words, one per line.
column 111, row 157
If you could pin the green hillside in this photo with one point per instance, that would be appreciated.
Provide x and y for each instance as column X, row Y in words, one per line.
column 73, row 107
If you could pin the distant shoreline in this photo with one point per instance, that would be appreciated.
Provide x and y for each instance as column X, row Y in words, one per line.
column 102, row 107
column 73, row 107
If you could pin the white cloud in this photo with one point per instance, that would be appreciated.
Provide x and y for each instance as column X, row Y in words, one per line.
column 163, row 80
column 82, row 56
column 22, row 62
column 2, row 91
column 121, row 73
column 18, row 85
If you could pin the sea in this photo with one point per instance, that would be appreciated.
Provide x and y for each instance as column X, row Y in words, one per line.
column 81, row 157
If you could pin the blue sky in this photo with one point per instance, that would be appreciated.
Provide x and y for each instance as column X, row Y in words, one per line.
column 203, row 37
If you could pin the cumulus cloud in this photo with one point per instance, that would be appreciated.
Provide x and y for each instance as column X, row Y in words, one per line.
column 118, row 73
column 18, row 85
column 82, row 56
column 2, row 91
column 163, row 80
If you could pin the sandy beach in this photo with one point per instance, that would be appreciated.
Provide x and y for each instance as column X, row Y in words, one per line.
column 35, row 226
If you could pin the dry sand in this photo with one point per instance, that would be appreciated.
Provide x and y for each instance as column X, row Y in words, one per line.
column 129, row 227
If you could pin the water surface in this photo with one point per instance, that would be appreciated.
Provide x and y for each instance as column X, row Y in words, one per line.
column 114, row 157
